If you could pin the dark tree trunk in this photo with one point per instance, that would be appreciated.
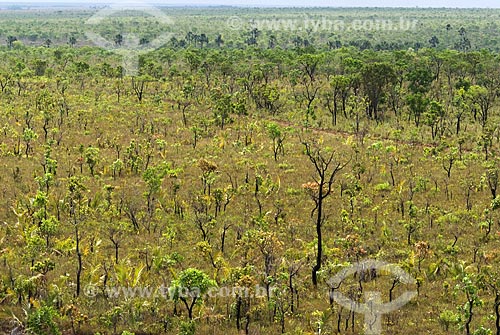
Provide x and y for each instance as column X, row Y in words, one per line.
column 79, row 257
column 497, row 312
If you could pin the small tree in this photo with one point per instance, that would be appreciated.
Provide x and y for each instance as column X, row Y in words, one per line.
column 190, row 286
column 483, row 100
column 48, row 228
column 470, row 286
column 277, row 136
column 219, row 41
column 118, row 39
column 223, row 107
column 10, row 41
column 91, row 158
column 433, row 117
column 326, row 167
column 376, row 77
column 434, row 42
column 29, row 136
column 75, row 201
column 208, row 175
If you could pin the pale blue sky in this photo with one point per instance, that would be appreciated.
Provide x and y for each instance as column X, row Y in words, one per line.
column 307, row 3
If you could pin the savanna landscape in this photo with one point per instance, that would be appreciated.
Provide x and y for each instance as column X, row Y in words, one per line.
column 221, row 186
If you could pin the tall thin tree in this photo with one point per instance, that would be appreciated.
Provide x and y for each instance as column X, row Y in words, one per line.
column 326, row 168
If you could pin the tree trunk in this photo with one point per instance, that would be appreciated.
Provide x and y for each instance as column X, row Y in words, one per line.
column 497, row 312
column 319, row 221
column 79, row 256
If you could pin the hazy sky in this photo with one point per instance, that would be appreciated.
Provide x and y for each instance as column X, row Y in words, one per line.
column 309, row 3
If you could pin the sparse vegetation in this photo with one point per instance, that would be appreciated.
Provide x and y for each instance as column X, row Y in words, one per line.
column 248, row 159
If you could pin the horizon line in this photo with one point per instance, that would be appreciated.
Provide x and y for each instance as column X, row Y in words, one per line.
column 202, row 5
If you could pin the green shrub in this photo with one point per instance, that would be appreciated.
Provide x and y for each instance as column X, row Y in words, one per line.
column 448, row 318
column 187, row 328
column 41, row 321
column 383, row 187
